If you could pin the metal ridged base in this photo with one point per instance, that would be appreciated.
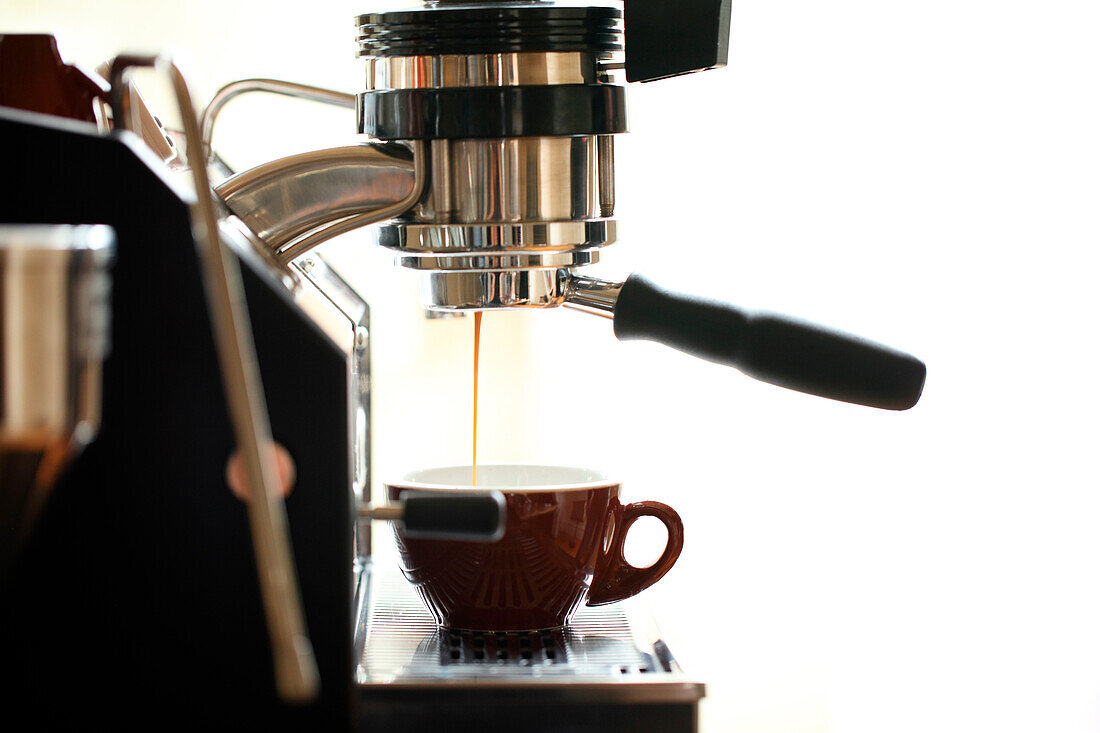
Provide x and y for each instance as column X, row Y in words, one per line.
column 480, row 264
column 494, row 238
column 519, row 265
column 602, row 654
column 545, row 288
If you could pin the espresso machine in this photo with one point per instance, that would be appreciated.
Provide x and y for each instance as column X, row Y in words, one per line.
column 139, row 589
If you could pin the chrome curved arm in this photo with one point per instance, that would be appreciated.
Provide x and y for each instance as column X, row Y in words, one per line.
column 271, row 86
column 296, row 675
column 295, row 203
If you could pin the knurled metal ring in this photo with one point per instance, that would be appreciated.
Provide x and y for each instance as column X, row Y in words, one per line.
column 441, row 239
column 485, row 263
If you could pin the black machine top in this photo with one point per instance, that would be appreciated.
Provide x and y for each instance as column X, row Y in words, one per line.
column 663, row 37
column 490, row 27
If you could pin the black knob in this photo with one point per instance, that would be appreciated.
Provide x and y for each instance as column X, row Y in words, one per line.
column 672, row 37
column 477, row 517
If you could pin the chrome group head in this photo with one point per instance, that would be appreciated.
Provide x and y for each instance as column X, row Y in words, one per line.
column 516, row 117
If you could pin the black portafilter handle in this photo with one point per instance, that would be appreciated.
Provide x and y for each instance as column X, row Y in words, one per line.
column 772, row 348
column 443, row 515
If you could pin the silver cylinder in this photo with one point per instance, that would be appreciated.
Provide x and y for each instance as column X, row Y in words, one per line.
column 532, row 68
column 54, row 335
column 503, row 221
column 519, row 179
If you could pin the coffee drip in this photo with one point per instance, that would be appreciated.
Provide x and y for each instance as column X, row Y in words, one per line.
column 477, row 351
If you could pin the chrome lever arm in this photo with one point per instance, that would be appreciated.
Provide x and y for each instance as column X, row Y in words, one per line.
column 296, row 675
column 271, row 86
column 295, row 203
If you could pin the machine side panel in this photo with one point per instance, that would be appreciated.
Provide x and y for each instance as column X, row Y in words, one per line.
column 136, row 599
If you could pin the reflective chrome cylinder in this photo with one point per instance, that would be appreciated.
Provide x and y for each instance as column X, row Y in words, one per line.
column 54, row 335
column 519, row 113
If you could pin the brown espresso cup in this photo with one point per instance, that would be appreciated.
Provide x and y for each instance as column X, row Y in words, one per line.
column 562, row 546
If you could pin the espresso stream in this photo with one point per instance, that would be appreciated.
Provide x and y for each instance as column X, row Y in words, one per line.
column 477, row 349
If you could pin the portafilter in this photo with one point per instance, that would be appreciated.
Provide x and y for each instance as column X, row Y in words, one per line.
column 491, row 170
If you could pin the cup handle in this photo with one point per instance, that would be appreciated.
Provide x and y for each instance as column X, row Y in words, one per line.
column 615, row 578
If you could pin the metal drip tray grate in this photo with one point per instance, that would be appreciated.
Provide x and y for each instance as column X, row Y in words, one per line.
column 523, row 649
column 398, row 642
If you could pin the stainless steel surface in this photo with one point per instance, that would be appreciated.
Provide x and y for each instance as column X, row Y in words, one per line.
column 340, row 295
column 605, row 654
column 514, row 281
column 288, row 198
column 541, row 288
column 505, row 196
column 493, row 261
column 519, row 180
column 271, row 86
column 485, row 70
column 298, row 202
column 508, row 195
column 549, row 236
column 503, row 199
column 54, row 335
column 592, row 296
column 296, row 674
column 499, row 217
column 342, row 226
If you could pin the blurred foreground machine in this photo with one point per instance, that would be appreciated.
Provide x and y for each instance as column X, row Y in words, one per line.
column 135, row 587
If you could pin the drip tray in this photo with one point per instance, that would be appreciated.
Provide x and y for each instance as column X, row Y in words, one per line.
column 609, row 670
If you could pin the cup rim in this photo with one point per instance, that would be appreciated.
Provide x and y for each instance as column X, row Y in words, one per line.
column 412, row 480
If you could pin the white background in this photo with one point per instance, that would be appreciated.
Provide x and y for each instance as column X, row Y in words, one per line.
column 923, row 173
